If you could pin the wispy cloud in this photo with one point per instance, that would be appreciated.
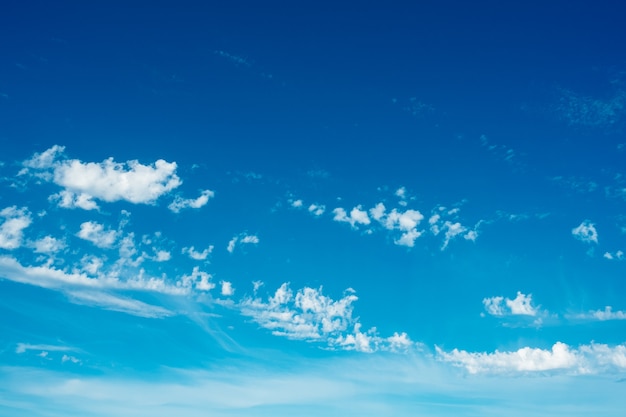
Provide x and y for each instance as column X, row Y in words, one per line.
column 183, row 203
column 13, row 224
column 243, row 238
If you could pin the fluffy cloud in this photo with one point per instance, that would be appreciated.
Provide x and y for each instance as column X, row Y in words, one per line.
column 586, row 232
column 317, row 209
column 310, row 315
column 108, row 181
column 561, row 358
column 12, row 227
column 227, row 288
column 198, row 256
column 181, row 203
column 520, row 305
column 48, row 244
column 405, row 222
column 96, row 234
column 357, row 216
column 243, row 238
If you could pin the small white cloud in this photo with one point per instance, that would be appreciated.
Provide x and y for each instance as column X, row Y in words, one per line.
column 586, row 232
column 180, row 203
column 12, row 227
column 68, row 358
column 452, row 230
column 70, row 200
column 296, row 204
column 163, row 256
column 48, row 245
column 227, row 288
column 317, row 209
column 244, row 239
column 198, row 279
column 520, row 305
column 95, row 233
column 357, row 216
column 401, row 193
column 198, row 256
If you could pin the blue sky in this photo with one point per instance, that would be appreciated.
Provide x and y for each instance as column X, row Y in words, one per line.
column 314, row 209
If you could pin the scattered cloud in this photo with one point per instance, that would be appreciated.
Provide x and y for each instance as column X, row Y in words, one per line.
column 587, row 111
column 561, row 358
column 520, row 305
column 13, row 224
column 312, row 316
column 586, row 232
column 48, row 245
column 108, row 181
column 357, row 216
column 96, row 234
column 241, row 239
column 619, row 255
column 198, row 256
column 317, row 209
column 181, row 203
column 227, row 288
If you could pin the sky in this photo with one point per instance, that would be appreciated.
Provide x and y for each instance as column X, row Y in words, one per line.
column 312, row 208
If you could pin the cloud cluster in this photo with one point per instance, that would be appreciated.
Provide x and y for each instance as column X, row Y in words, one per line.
column 14, row 221
column 85, row 182
column 241, row 239
column 561, row 358
column 501, row 306
column 586, row 232
column 310, row 315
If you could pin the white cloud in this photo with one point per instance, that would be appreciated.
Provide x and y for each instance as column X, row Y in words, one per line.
column 243, row 238
column 198, row 256
column 24, row 347
column 619, row 255
column 117, row 303
column 163, row 256
column 587, row 359
column 107, row 180
column 317, row 209
column 227, row 288
column 310, row 315
column 13, row 225
column 520, row 305
column 357, row 216
column 68, row 358
column 198, row 279
column 49, row 277
column 181, row 203
column 452, row 230
column 586, row 232
column 602, row 315
column 296, row 204
column 48, row 244
column 70, row 200
column 95, row 233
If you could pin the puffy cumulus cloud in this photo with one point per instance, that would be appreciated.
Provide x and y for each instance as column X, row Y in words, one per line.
column 227, row 288
column 357, row 216
column 14, row 221
column 520, row 305
column 48, row 245
column 561, row 358
column 586, row 232
column 96, row 234
column 297, row 203
column 317, row 209
column 310, row 315
column 405, row 222
column 241, row 239
column 602, row 315
column 197, row 279
column 196, row 255
column 180, row 203
column 109, row 181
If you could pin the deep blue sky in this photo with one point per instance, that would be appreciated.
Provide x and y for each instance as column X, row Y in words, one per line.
column 402, row 208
